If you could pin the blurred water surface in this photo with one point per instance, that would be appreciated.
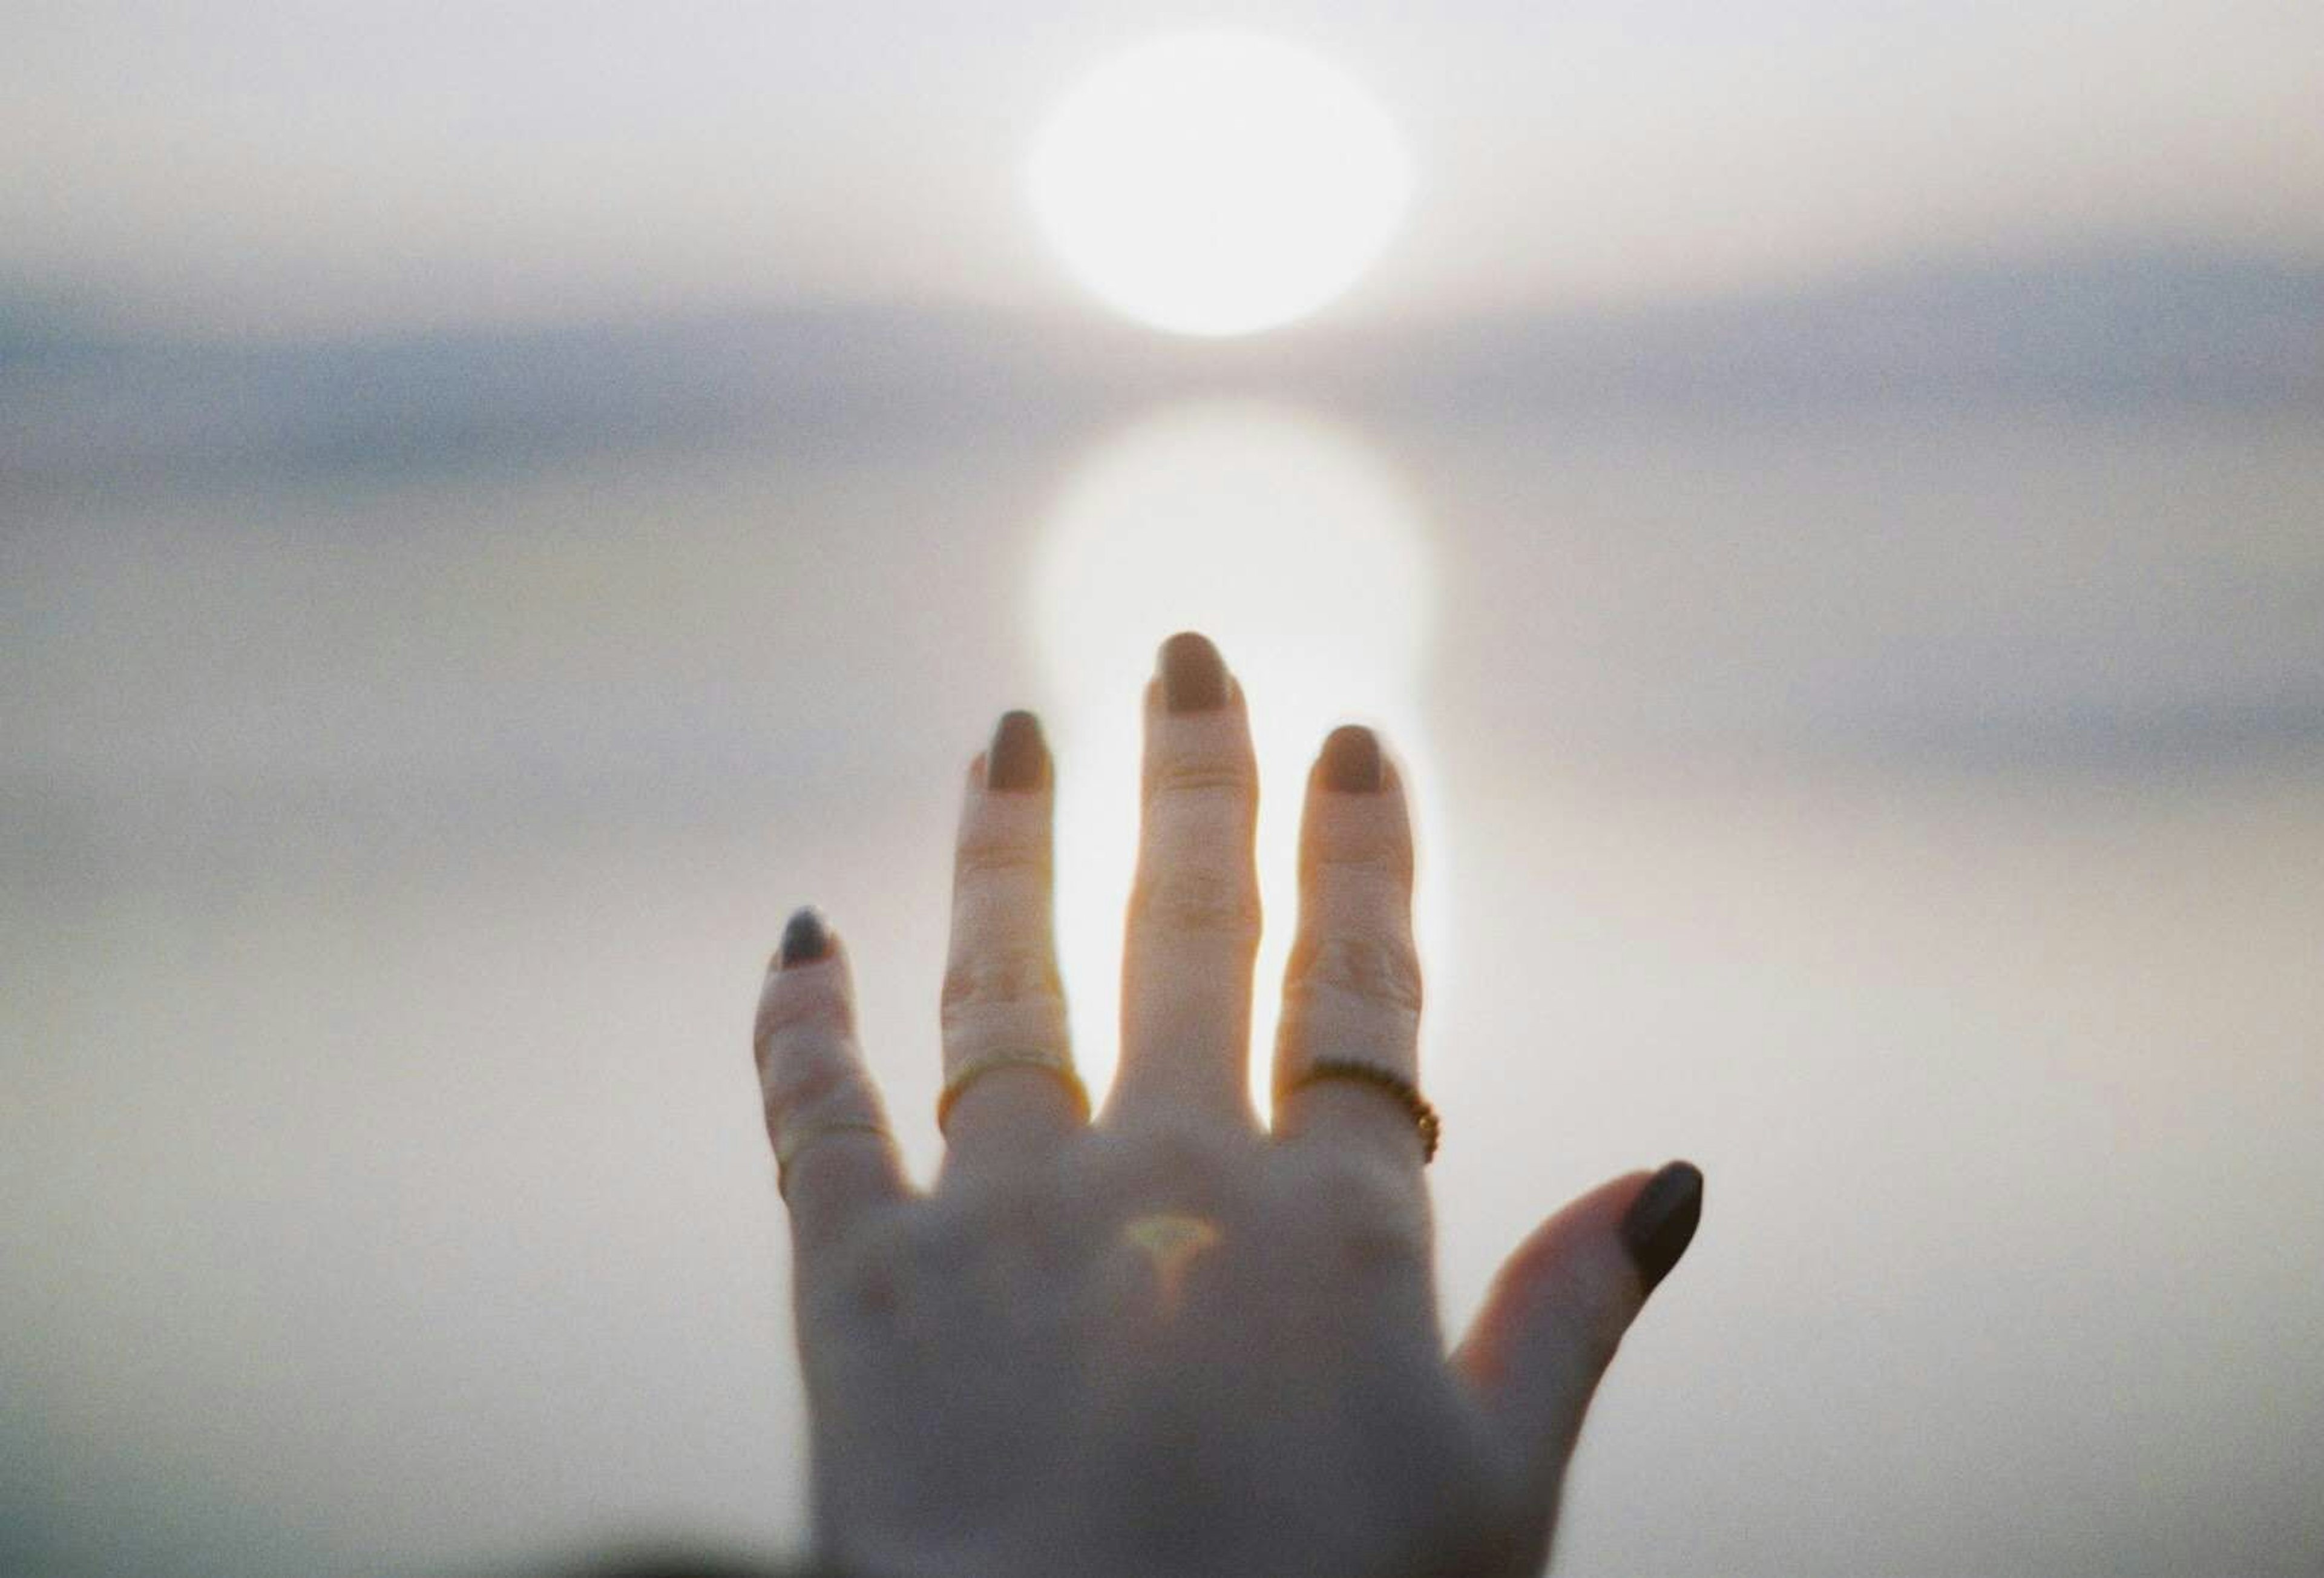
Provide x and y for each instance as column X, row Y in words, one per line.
column 1912, row 812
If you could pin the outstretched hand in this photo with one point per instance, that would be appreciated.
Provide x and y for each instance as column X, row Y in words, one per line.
column 1164, row 1340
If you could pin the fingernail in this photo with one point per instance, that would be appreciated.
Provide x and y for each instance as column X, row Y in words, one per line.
column 1017, row 759
column 1661, row 1223
column 806, row 939
column 1352, row 760
column 1194, row 675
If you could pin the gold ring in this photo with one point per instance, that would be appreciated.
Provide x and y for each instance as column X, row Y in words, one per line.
column 1055, row 1065
column 1399, row 1089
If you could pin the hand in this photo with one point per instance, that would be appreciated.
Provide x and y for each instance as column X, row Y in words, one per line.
column 1172, row 1342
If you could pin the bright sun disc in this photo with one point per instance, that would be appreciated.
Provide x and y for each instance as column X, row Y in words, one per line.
column 1217, row 184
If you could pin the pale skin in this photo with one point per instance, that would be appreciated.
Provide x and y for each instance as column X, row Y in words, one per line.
column 1168, row 1341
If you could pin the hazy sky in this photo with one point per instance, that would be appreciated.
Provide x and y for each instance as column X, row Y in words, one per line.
column 241, row 167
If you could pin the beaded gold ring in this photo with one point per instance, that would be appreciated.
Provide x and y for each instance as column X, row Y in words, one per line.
column 1402, row 1091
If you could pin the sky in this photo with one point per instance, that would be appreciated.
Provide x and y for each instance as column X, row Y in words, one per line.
column 499, row 504
column 319, row 169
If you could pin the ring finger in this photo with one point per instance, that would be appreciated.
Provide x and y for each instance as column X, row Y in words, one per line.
column 1351, row 990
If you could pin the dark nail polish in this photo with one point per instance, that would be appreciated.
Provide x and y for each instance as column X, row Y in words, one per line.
column 806, row 939
column 1352, row 760
column 1661, row 1223
column 1194, row 675
column 1018, row 757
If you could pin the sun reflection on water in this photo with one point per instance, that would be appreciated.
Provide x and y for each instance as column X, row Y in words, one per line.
column 1286, row 540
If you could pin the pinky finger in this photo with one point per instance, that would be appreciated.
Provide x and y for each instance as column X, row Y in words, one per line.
column 835, row 1157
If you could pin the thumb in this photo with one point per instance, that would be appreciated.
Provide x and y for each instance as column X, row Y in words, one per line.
column 1559, row 1306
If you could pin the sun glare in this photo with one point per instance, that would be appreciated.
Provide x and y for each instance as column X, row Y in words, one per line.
column 1217, row 184
column 1285, row 541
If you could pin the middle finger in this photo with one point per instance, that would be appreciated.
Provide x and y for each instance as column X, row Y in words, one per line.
column 1193, row 932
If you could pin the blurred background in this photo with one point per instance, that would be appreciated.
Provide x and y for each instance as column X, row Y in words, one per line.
column 500, row 503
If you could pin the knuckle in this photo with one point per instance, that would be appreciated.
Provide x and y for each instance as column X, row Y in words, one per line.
column 1176, row 1148
column 1381, row 969
column 793, row 1016
column 798, row 1082
column 1014, row 1215
column 1362, row 849
column 1373, row 1218
column 1004, row 1200
column 1228, row 776
column 990, row 977
column 860, row 1280
column 989, row 853
column 1190, row 896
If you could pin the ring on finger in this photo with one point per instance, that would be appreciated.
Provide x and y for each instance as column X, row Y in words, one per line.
column 1057, row 1066
column 1393, row 1086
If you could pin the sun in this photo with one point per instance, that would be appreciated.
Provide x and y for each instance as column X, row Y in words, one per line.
column 1217, row 184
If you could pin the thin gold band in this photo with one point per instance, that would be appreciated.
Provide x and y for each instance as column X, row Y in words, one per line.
column 1052, row 1063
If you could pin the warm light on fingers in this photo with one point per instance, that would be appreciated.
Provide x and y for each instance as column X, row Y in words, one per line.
column 1285, row 541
